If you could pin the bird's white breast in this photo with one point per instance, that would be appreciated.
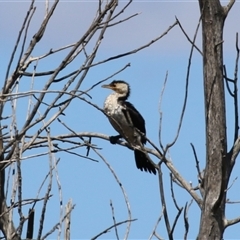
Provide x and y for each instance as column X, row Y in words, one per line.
column 114, row 110
column 111, row 106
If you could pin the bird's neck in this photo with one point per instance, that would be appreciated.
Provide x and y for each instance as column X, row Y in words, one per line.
column 121, row 96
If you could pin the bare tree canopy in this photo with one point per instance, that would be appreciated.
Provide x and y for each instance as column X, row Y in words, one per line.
column 60, row 175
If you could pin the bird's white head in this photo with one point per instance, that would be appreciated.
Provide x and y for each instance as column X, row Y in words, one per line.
column 120, row 87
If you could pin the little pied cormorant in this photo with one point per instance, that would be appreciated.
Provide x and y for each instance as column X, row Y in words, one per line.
column 127, row 121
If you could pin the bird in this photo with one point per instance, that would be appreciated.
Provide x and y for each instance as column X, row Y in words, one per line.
column 128, row 122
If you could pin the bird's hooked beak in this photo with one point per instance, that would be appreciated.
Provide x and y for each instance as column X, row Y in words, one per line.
column 107, row 86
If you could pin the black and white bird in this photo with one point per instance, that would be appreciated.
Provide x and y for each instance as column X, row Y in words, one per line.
column 128, row 122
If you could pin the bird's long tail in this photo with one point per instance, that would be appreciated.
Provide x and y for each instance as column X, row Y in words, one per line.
column 143, row 162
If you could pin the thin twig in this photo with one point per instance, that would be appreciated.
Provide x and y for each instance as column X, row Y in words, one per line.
column 59, row 192
column 227, row 81
column 123, row 191
column 18, row 40
column 43, row 182
column 172, row 192
column 120, row 21
column 160, row 112
column 234, row 180
column 68, row 221
column 109, row 228
column 186, row 223
column 57, row 224
column 164, row 206
column 23, row 203
column 186, row 90
column 114, row 220
column 176, row 205
column 44, row 208
column 188, row 38
column 156, row 225
column 196, row 159
column 236, row 92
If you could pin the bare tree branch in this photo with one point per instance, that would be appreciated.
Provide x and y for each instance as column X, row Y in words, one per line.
column 164, row 206
column 186, row 90
column 57, row 225
column 184, row 32
column 29, row 12
column 113, row 226
column 156, row 225
column 228, row 223
column 114, row 220
column 236, row 91
column 228, row 7
column 160, row 112
column 123, row 191
column 48, row 189
column 186, row 223
column 234, row 180
column 172, row 192
column 156, row 153
column 67, row 221
column 235, row 150
column 176, row 205
column 140, row 48
column 196, row 160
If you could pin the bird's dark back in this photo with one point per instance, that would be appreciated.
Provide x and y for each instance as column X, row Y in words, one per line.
column 136, row 118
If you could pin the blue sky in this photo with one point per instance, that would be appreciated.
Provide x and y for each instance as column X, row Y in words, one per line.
column 91, row 185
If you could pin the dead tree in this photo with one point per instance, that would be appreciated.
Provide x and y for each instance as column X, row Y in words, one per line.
column 219, row 162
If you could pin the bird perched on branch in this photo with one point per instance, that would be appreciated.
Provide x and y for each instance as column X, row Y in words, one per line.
column 128, row 122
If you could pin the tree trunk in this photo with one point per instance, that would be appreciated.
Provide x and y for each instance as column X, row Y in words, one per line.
column 217, row 164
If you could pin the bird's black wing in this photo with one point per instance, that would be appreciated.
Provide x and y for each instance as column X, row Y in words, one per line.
column 136, row 118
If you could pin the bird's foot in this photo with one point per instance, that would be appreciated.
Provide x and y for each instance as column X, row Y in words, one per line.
column 114, row 139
